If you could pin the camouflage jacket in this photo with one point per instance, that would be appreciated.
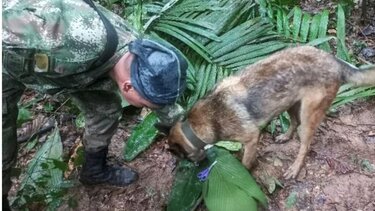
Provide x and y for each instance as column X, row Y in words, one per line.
column 49, row 45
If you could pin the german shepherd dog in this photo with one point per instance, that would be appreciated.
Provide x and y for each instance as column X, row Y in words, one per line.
column 302, row 81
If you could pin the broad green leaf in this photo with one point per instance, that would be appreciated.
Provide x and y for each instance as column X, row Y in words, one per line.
column 142, row 137
column 229, row 145
column 227, row 179
column 221, row 195
column 187, row 189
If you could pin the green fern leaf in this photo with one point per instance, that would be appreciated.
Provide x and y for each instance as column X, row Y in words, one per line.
column 314, row 29
column 297, row 22
column 185, row 38
column 305, row 27
column 323, row 27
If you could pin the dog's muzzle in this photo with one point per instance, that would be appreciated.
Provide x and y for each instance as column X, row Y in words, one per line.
column 197, row 156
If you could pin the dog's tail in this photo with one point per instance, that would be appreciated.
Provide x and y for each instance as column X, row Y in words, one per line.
column 364, row 76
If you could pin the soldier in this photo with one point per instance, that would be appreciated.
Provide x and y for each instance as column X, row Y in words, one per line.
column 83, row 50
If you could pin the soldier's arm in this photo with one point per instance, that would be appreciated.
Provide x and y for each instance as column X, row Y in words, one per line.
column 168, row 116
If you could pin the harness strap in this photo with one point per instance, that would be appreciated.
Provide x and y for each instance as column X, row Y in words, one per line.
column 191, row 136
column 112, row 38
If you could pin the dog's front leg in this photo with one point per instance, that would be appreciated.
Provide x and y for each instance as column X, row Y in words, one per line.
column 250, row 146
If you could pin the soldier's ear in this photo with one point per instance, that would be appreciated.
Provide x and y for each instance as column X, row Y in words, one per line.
column 126, row 86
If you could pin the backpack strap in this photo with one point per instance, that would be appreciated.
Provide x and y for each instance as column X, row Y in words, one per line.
column 112, row 38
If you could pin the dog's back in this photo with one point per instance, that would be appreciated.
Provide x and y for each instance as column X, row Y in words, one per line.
column 276, row 83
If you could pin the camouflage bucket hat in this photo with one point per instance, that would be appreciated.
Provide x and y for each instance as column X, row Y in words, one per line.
column 158, row 72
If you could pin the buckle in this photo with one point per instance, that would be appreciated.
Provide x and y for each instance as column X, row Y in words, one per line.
column 41, row 62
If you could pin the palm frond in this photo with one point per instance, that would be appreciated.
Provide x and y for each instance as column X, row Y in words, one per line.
column 342, row 51
column 185, row 38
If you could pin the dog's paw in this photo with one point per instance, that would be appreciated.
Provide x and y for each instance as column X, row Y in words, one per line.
column 292, row 172
column 282, row 138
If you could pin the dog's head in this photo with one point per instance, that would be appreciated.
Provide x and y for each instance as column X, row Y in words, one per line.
column 181, row 146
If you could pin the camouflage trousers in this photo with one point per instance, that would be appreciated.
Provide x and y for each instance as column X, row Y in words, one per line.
column 101, row 108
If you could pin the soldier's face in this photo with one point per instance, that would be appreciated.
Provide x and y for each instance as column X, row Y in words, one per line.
column 135, row 99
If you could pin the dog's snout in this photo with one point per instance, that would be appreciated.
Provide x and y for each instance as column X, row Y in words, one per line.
column 197, row 156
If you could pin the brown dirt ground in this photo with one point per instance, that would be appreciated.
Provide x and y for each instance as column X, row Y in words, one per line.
column 334, row 177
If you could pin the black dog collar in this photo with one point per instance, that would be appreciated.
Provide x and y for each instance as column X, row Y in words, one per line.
column 190, row 135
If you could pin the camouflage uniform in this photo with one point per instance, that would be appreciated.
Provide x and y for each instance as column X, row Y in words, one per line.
column 49, row 46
